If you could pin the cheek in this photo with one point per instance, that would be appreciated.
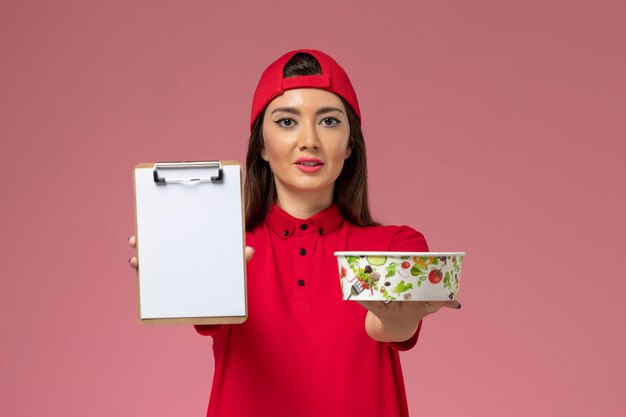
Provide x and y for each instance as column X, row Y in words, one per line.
column 271, row 144
column 270, row 151
column 339, row 159
column 344, row 150
column 270, row 140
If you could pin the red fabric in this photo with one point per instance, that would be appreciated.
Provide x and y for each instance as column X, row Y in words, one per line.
column 333, row 79
column 303, row 350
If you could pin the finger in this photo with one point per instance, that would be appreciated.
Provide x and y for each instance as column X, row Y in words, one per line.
column 248, row 253
column 447, row 304
column 132, row 241
column 367, row 304
column 374, row 306
column 133, row 262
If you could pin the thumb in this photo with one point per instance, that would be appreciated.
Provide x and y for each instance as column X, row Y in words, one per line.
column 248, row 253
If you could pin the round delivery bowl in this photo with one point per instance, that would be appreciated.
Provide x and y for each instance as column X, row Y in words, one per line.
column 400, row 276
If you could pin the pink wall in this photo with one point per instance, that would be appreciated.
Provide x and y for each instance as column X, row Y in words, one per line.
column 495, row 127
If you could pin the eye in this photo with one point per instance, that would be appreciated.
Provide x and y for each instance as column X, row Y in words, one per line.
column 330, row 122
column 285, row 122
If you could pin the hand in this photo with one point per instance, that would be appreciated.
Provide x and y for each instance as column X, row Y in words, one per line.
column 398, row 320
column 132, row 241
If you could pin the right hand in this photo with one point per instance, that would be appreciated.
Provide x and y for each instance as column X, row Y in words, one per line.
column 132, row 241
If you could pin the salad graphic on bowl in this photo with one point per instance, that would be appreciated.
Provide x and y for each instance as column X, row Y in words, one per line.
column 400, row 276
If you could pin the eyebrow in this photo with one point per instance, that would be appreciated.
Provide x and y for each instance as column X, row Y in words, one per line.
column 293, row 110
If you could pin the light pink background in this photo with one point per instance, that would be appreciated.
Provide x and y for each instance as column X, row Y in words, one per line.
column 494, row 127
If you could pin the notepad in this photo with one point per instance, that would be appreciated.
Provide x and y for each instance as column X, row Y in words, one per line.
column 190, row 242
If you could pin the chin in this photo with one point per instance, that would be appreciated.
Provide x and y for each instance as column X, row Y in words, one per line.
column 309, row 187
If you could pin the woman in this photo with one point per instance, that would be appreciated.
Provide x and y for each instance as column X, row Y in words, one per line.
column 303, row 351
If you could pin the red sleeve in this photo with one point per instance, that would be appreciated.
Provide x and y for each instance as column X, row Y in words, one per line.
column 408, row 239
column 207, row 329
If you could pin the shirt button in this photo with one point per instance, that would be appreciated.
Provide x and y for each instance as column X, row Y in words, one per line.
column 301, row 282
column 321, row 231
column 286, row 233
column 303, row 226
column 302, row 251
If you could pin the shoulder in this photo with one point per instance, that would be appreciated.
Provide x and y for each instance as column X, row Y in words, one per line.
column 407, row 239
column 259, row 232
column 387, row 238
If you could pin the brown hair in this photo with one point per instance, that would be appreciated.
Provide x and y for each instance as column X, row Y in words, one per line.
column 350, row 191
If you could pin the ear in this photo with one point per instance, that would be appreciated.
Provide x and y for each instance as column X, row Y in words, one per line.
column 264, row 154
column 348, row 151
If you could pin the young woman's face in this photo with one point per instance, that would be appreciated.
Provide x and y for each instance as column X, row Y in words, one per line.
column 306, row 141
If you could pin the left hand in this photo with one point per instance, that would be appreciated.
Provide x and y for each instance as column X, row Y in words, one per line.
column 398, row 320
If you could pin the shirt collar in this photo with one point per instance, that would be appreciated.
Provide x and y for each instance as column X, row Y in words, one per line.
column 285, row 225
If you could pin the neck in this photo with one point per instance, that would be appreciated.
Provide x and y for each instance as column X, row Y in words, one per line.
column 303, row 205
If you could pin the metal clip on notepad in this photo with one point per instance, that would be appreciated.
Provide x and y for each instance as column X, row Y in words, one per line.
column 183, row 165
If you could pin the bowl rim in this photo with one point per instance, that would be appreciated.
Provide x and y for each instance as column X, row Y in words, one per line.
column 398, row 254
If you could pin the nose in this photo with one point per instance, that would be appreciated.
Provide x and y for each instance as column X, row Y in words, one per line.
column 308, row 138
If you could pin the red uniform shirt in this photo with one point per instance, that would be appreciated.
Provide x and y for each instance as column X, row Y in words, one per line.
column 303, row 350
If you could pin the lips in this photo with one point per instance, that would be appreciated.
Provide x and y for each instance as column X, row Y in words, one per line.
column 309, row 165
column 309, row 162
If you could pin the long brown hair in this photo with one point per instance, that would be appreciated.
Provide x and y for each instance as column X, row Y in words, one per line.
column 350, row 191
